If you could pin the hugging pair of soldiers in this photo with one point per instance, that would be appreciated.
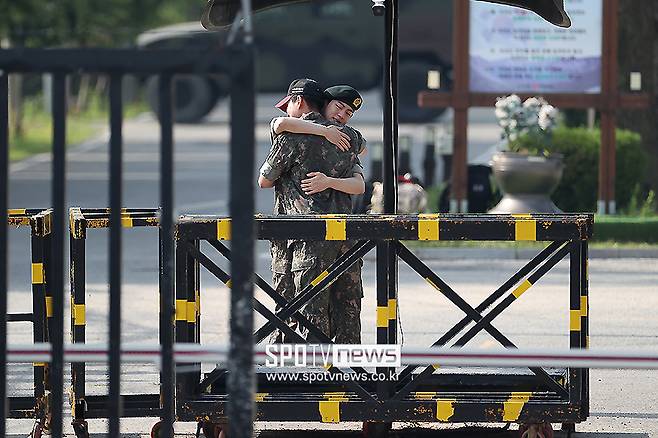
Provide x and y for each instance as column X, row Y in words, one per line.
column 314, row 168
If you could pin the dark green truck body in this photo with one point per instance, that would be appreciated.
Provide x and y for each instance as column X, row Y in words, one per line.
column 332, row 41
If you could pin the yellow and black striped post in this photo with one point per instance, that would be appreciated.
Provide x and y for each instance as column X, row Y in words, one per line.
column 584, row 332
column 577, row 313
column 392, row 297
column 41, row 305
column 77, row 243
column 45, row 220
column 383, row 283
column 193, row 317
column 184, row 321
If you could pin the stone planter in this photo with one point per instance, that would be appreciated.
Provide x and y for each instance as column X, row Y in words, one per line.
column 527, row 182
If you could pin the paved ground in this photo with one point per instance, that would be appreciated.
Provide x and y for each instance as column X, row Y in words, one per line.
column 624, row 292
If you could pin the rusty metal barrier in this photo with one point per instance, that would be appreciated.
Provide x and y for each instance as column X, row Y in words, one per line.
column 85, row 406
column 40, row 222
column 535, row 396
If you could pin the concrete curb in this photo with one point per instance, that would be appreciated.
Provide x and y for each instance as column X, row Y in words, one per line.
column 519, row 254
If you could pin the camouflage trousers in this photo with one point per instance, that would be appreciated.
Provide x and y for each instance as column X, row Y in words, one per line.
column 336, row 310
column 282, row 282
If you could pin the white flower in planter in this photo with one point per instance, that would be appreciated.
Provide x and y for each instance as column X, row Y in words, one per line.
column 547, row 117
column 534, row 116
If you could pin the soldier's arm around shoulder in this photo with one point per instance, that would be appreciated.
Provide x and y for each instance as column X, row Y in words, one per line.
column 357, row 140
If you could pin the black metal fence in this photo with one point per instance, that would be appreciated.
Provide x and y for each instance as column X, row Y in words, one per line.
column 237, row 62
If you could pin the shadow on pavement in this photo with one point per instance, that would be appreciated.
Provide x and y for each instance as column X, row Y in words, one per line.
column 410, row 432
column 463, row 432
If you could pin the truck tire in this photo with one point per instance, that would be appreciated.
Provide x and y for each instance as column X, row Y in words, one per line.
column 412, row 77
column 194, row 97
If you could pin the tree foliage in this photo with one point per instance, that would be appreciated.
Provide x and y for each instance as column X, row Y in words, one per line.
column 87, row 23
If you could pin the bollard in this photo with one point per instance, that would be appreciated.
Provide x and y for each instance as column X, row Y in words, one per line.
column 429, row 162
column 406, row 141
column 376, row 162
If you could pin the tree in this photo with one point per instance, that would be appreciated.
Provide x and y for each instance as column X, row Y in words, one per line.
column 83, row 23
column 638, row 34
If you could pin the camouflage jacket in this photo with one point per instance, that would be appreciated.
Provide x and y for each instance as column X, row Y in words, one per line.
column 293, row 156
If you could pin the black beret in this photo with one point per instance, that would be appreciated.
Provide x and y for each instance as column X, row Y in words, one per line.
column 345, row 94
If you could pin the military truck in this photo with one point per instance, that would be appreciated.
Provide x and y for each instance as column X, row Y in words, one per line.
column 332, row 41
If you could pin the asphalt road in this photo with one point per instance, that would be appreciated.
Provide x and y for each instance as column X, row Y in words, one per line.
column 624, row 292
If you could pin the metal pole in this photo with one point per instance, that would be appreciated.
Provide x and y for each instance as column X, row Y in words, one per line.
column 167, row 239
column 386, row 255
column 58, row 232
column 116, row 145
column 390, row 151
column 4, row 182
column 241, row 379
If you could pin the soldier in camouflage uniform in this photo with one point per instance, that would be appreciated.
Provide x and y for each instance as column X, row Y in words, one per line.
column 292, row 159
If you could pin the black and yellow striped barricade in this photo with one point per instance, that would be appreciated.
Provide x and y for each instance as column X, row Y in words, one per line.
column 81, row 220
column 40, row 223
column 532, row 396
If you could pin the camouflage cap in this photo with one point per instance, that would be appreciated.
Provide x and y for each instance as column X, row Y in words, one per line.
column 345, row 94
column 303, row 87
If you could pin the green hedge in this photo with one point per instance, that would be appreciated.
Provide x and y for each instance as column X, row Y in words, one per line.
column 626, row 229
column 577, row 192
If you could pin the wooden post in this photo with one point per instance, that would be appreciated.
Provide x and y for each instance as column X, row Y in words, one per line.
column 460, row 42
column 609, row 90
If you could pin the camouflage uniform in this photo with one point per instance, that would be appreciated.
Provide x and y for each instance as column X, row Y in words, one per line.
column 336, row 310
column 282, row 279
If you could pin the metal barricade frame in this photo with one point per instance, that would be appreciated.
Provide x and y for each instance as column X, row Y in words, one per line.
column 40, row 223
column 558, row 397
column 81, row 220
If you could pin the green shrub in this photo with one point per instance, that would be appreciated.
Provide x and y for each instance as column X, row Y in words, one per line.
column 578, row 189
column 641, row 203
column 433, row 196
column 626, row 229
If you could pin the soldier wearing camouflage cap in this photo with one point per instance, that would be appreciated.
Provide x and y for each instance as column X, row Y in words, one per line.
column 336, row 313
